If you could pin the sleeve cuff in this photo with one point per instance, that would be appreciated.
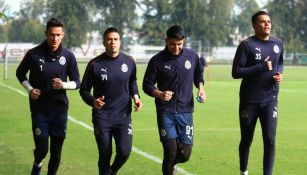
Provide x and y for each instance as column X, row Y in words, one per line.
column 69, row 85
column 27, row 85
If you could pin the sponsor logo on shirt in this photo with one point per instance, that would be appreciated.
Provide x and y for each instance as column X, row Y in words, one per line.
column 104, row 70
column 167, row 67
column 258, row 49
column 42, row 60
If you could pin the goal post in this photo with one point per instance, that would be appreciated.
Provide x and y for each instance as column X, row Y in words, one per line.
column 5, row 63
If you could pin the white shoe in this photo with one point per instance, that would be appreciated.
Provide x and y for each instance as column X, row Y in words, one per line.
column 244, row 172
column 175, row 170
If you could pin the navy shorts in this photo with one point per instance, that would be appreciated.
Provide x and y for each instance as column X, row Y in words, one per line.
column 176, row 126
column 49, row 124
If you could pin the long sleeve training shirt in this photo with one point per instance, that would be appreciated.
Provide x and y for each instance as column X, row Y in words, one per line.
column 174, row 73
column 45, row 65
column 258, row 85
column 113, row 78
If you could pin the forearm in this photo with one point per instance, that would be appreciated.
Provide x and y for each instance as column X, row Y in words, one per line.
column 87, row 97
column 242, row 72
column 156, row 93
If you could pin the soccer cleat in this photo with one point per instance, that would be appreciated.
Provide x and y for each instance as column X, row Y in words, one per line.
column 36, row 169
column 244, row 172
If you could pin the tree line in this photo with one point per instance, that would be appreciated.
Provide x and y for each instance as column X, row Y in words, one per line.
column 212, row 22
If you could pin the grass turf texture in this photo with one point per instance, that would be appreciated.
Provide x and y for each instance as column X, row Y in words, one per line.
column 216, row 130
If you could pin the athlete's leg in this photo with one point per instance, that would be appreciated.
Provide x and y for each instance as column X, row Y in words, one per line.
column 123, row 140
column 56, row 144
column 268, row 119
column 185, row 130
column 248, row 118
column 57, row 130
column 103, row 138
column 183, row 153
column 168, row 136
column 41, row 149
column 40, row 131
column 40, row 152
column 169, row 157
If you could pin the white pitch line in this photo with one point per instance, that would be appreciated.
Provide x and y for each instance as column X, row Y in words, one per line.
column 134, row 149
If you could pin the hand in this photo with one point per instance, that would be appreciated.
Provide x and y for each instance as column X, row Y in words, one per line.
column 166, row 95
column 278, row 77
column 201, row 98
column 57, row 84
column 99, row 103
column 137, row 104
column 268, row 63
column 35, row 93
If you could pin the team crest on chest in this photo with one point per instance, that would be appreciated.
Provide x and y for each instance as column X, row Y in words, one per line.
column 187, row 64
column 62, row 60
column 276, row 49
column 124, row 67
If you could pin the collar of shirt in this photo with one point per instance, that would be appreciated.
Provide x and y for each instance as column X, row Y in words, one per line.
column 50, row 54
column 169, row 55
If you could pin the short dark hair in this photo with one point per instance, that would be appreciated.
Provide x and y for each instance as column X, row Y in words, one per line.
column 255, row 16
column 175, row 32
column 109, row 30
column 53, row 22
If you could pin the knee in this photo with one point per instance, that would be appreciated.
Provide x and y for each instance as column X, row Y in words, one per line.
column 124, row 152
column 269, row 143
column 185, row 156
column 41, row 153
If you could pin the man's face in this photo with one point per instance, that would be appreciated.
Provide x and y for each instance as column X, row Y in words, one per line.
column 262, row 26
column 174, row 46
column 54, row 36
column 111, row 43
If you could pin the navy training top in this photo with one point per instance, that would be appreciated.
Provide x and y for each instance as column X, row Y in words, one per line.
column 177, row 74
column 257, row 84
column 45, row 65
column 113, row 78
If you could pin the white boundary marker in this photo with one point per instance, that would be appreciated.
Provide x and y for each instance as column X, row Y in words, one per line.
column 134, row 149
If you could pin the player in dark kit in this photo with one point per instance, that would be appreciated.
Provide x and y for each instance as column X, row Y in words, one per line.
column 112, row 75
column 49, row 65
column 174, row 70
column 259, row 62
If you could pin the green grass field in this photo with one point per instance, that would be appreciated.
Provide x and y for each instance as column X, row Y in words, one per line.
column 216, row 131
